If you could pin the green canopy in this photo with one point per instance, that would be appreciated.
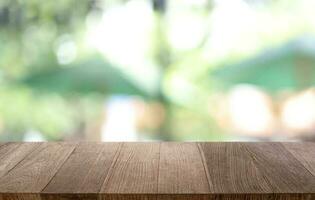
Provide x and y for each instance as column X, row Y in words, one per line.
column 92, row 75
column 291, row 66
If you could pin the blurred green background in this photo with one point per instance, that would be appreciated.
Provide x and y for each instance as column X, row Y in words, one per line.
column 145, row 70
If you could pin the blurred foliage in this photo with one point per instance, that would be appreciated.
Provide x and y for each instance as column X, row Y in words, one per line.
column 28, row 34
column 21, row 111
column 29, row 30
column 288, row 67
column 77, row 78
column 188, row 40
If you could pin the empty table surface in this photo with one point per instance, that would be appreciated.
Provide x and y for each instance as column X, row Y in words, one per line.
column 165, row 170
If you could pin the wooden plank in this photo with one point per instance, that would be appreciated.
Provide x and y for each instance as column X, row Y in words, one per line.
column 170, row 196
column 115, row 196
column 135, row 171
column 284, row 172
column 113, row 171
column 69, row 196
column 209, row 196
column 12, row 153
column 181, row 169
column 304, row 152
column 230, row 169
column 20, row 197
column 34, row 172
column 260, row 196
column 85, row 170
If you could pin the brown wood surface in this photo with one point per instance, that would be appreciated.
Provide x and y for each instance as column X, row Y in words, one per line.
column 89, row 170
column 135, row 170
column 180, row 162
column 231, row 169
column 284, row 172
column 304, row 152
column 34, row 172
column 85, row 170
column 12, row 153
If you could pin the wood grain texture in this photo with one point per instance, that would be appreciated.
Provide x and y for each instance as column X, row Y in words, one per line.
column 69, row 196
column 304, row 152
column 165, row 196
column 181, row 169
column 135, row 170
column 12, row 153
column 231, row 169
column 20, row 197
column 152, row 171
column 237, row 196
column 35, row 171
column 284, row 172
column 85, row 169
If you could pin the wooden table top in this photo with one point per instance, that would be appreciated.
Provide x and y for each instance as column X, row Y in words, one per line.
column 166, row 170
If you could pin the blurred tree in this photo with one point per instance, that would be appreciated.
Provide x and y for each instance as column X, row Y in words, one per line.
column 28, row 34
column 30, row 28
column 92, row 75
column 162, row 56
column 290, row 66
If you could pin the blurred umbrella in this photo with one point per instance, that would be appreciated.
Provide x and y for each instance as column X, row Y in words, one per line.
column 92, row 75
column 291, row 66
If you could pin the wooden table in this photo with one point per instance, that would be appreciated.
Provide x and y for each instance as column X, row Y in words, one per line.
column 164, row 170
